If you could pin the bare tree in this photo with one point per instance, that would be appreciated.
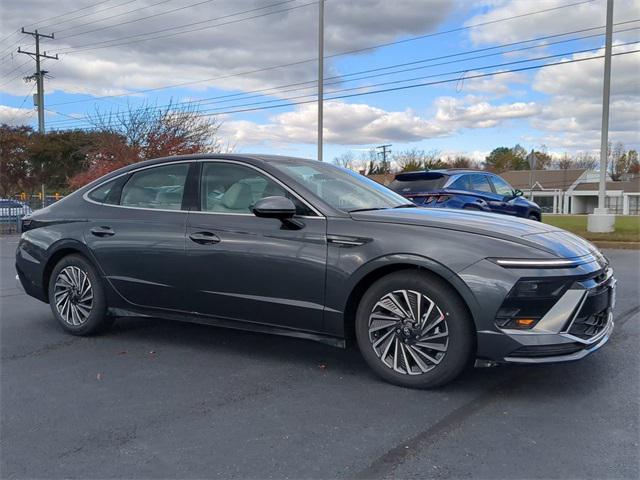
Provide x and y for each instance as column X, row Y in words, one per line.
column 146, row 131
column 565, row 162
column 346, row 160
column 151, row 131
column 461, row 161
column 409, row 160
column 585, row 160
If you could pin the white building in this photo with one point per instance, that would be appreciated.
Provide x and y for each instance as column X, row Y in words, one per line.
column 575, row 191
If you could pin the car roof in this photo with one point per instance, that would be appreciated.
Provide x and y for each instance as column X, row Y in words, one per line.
column 458, row 170
column 435, row 173
column 216, row 156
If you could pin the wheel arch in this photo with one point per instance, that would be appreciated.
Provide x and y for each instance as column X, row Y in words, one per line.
column 381, row 267
column 535, row 213
column 57, row 252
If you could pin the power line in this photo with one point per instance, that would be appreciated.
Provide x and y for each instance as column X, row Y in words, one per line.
column 17, row 30
column 406, row 86
column 131, row 21
column 6, row 74
column 310, row 83
column 27, row 96
column 308, row 60
column 49, row 25
column 287, row 102
column 66, row 13
column 100, row 45
column 444, row 32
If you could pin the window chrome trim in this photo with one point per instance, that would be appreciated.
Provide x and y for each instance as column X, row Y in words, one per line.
column 85, row 196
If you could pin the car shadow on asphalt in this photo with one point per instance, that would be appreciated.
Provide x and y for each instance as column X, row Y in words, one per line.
column 512, row 380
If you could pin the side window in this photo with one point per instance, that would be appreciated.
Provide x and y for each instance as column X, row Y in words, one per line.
column 502, row 187
column 231, row 188
column 480, row 183
column 107, row 192
column 158, row 187
column 462, row 183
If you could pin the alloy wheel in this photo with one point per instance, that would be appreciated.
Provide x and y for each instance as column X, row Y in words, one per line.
column 73, row 295
column 408, row 332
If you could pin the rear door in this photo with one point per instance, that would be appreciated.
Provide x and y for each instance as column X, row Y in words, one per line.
column 139, row 238
column 252, row 269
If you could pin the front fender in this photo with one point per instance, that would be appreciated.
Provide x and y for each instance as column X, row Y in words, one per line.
column 335, row 315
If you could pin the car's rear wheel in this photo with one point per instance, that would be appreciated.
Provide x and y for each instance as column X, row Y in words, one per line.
column 76, row 296
column 413, row 330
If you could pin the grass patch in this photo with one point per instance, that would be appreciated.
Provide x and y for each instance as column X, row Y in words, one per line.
column 627, row 227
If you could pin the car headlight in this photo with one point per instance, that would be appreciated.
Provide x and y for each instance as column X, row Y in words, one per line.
column 534, row 263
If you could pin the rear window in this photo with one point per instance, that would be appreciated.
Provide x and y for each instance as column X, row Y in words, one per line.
column 408, row 183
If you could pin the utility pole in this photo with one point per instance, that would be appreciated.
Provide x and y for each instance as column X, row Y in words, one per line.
column 532, row 166
column 320, row 76
column 601, row 220
column 384, row 151
column 39, row 75
column 39, row 78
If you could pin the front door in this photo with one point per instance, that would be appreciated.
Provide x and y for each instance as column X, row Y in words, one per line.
column 252, row 269
column 505, row 196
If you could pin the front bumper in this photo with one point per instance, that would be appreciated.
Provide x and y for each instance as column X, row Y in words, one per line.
column 578, row 324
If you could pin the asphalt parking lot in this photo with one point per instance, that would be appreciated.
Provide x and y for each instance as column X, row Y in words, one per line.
column 156, row 399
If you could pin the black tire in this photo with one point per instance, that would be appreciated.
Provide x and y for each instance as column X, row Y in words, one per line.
column 458, row 325
column 97, row 319
column 534, row 217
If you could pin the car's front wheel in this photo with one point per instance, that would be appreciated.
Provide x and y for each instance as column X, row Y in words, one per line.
column 76, row 296
column 413, row 330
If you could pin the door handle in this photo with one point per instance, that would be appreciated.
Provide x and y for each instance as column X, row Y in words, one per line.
column 102, row 231
column 204, row 238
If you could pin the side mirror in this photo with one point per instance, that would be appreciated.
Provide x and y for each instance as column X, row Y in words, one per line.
column 274, row 207
column 278, row 207
column 517, row 193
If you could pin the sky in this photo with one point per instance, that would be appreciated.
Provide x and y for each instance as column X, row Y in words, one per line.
column 250, row 61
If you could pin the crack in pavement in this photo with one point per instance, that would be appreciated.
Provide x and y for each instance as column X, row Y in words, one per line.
column 52, row 347
column 385, row 465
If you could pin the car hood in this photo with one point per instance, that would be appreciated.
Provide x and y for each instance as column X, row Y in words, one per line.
column 531, row 233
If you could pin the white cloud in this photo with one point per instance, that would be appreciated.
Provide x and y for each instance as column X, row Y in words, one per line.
column 497, row 85
column 572, row 116
column 575, row 17
column 361, row 124
column 281, row 38
column 15, row 116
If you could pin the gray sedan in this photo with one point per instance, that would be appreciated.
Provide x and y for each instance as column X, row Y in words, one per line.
column 296, row 247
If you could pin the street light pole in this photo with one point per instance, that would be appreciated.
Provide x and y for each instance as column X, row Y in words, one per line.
column 601, row 220
column 320, row 76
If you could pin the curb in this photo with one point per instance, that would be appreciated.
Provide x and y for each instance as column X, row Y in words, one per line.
column 616, row 245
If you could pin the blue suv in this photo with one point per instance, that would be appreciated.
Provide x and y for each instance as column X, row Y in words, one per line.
column 466, row 189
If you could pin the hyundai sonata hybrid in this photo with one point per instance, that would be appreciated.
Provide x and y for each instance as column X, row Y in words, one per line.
column 301, row 248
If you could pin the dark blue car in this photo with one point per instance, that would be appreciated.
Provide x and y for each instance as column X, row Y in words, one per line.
column 466, row 189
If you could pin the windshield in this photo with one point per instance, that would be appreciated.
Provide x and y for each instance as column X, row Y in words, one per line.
column 341, row 188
